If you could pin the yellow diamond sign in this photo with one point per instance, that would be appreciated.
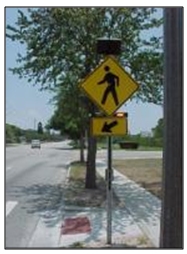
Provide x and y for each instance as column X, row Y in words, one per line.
column 109, row 126
column 109, row 85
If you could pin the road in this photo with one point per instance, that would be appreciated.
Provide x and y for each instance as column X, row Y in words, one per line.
column 34, row 186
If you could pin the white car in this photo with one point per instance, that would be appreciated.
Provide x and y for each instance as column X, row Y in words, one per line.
column 35, row 143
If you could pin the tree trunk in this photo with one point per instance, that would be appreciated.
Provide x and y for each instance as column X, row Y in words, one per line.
column 90, row 182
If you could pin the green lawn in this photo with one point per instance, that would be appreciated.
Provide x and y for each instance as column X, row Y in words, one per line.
column 146, row 172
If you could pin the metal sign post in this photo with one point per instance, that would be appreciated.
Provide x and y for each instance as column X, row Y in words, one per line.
column 109, row 192
column 109, row 86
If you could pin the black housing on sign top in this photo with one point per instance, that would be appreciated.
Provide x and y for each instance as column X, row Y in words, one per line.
column 109, row 46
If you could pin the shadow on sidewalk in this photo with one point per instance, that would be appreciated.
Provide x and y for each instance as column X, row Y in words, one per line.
column 44, row 199
column 142, row 204
column 125, row 233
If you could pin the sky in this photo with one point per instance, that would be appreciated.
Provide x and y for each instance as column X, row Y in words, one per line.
column 26, row 105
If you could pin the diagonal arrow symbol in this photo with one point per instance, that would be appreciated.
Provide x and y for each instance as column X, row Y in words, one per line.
column 108, row 126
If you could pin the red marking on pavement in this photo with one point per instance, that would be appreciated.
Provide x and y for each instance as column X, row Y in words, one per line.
column 76, row 226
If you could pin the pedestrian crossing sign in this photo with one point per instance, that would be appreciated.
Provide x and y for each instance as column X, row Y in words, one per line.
column 109, row 85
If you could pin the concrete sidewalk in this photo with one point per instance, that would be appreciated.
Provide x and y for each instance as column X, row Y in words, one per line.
column 136, row 220
column 125, row 231
column 144, row 207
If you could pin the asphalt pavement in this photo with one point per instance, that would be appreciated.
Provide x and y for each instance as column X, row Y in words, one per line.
column 34, row 186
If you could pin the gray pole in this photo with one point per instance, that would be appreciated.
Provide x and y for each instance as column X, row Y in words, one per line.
column 109, row 46
column 109, row 192
column 34, row 124
column 172, row 208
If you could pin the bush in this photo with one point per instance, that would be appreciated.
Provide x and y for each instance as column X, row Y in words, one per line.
column 16, row 135
column 12, row 134
column 128, row 145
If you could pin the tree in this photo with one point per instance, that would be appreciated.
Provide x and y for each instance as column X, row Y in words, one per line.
column 158, row 133
column 60, row 49
column 13, row 133
column 158, row 130
column 40, row 128
column 70, row 117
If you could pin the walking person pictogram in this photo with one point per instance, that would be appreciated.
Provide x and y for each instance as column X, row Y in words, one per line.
column 112, row 81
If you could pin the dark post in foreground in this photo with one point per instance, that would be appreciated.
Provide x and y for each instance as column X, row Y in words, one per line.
column 172, row 207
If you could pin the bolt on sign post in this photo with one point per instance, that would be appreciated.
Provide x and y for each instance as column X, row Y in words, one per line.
column 109, row 86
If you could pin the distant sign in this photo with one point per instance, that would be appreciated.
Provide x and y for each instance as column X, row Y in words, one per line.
column 109, row 126
column 109, row 85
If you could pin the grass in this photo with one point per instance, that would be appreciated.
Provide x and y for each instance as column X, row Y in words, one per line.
column 146, row 172
column 77, row 195
column 149, row 148
column 77, row 171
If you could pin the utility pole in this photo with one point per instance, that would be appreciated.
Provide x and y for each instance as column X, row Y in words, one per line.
column 34, row 124
column 172, row 207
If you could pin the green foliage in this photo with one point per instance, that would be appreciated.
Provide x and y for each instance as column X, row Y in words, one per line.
column 155, row 140
column 142, row 140
column 40, row 128
column 12, row 133
column 61, row 49
column 70, row 116
column 45, row 136
column 60, row 45
column 15, row 135
column 31, row 134
column 158, row 130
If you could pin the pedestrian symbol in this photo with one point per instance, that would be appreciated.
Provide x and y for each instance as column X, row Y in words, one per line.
column 109, row 85
column 112, row 81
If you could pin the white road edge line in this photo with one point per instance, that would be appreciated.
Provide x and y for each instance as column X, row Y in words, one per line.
column 10, row 206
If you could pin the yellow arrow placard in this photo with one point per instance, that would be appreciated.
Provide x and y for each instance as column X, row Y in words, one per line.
column 109, row 85
column 109, row 126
